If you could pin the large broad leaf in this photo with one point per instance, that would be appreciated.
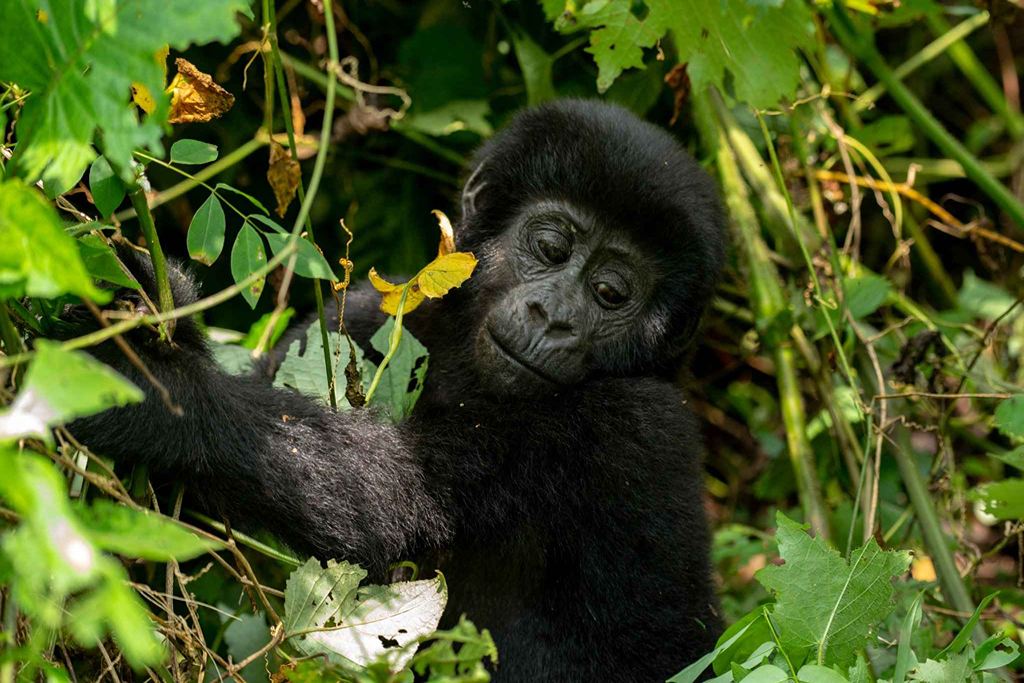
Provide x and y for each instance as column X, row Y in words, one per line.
column 1002, row 499
column 140, row 533
column 1009, row 416
column 327, row 613
column 79, row 60
column 60, row 386
column 825, row 607
column 754, row 43
column 37, row 258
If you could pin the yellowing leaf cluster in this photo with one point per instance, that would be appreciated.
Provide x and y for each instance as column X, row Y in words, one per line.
column 449, row 270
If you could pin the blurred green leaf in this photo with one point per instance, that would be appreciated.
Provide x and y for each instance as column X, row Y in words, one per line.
column 140, row 533
column 80, row 61
column 536, row 65
column 206, row 231
column 60, row 386
column 956, row 669
column 193, row 152
column 1002, row 499
column 37, row 257
column 1009, row 416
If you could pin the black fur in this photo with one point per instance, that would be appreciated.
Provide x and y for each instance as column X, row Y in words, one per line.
column 567, row 519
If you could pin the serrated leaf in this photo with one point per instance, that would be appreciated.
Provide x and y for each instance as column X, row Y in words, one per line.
column 956, row 669
column 106, row 188
column 79, row 65
column 1009, row 416
column 101, row 262
column 140, row 533
column 61, row 386
column 38, row 258
column 193, row 152
column 206, row 232
column 359, row 625
column 309, row 262
column 248, row 256
column 826, row 608
column 401, row 383
column 755, row 44
column 303, row 366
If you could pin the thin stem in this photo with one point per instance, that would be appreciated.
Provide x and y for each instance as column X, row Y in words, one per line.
column 393, row 341
column 163, row 284
column 225, row 162
column 863, row 47
column 926, row 54
column 318, row 295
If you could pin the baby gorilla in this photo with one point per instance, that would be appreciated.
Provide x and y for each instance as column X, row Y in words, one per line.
column 550, row 469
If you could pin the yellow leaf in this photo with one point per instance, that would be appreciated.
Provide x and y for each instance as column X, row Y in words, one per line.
column 42, row 16
column 391, row 294
column 284, row 175
column 195, row 97
column 445, row 272
column 922, row 568
column 447, row 244
column 140, row 93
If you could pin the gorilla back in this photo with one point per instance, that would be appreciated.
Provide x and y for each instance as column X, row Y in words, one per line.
column 549, row 469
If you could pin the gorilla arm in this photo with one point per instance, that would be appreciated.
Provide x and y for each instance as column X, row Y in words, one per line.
column 331, row 484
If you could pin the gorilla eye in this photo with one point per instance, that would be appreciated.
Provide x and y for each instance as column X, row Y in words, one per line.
column 554, row 248
column 609, row 295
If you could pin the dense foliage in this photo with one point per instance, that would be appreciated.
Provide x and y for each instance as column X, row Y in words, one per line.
column 860, row 373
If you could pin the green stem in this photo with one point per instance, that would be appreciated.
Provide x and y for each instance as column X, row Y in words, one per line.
column 165, row 300
column 929, row 52
column 247, row 540
column 953, row 587
column 863, row 47
column 768, row 302
column 9, row 333
column 971, row 67
column 393, row 341
column 318, row 295
column 197, row 179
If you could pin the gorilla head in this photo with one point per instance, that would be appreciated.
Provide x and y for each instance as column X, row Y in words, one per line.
column 600, row 240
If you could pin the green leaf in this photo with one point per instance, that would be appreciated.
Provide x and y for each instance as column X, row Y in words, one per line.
column 247, row 634
column 401, row 383
column 79, row 60
column 206, row 232
column 234, row 360
column 982, row 299
column 193, row 152
column 1009, row 417
column 769, row 673
column 442, row 660
column 303, row 366
column 905, row 658
column 755, row 44
column 864, row 294
column 247, row 257
column 956, row 669
column 38, row 258
column 756, row 632
column 101, row 262
column 309, row 262
column 693, row 671
column 1014, row 458
column 106, row 188
column 535, row 65
column 826, row 608
column 60, row 386
column 376, row 622
column 453, row 117
column 140, row 533
column 1002, row 499
column 812, row 673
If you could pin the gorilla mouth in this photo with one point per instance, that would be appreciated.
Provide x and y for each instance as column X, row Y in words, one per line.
column 515, row 359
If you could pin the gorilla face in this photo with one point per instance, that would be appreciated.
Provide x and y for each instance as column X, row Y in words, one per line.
column 577, row 288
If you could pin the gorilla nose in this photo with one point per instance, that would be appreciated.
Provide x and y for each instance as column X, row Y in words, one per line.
column 553, row 328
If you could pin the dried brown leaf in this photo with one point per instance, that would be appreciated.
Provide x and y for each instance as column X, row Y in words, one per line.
column 283, row 175
column 195, row 97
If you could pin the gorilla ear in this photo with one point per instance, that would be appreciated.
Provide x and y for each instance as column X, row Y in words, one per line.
column 474, row 184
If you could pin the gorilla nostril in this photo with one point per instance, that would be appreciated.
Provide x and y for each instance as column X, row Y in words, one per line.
column 538, row 316
column 560, row 330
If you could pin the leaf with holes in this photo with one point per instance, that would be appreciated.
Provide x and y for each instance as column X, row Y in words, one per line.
column 206, row 232
column 327, row 613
